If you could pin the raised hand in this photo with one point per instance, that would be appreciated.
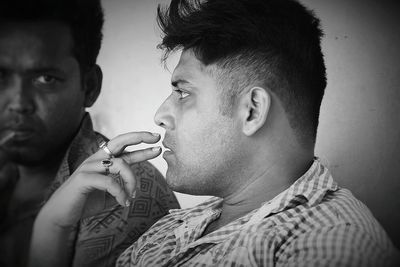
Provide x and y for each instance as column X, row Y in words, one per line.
column 66, row 205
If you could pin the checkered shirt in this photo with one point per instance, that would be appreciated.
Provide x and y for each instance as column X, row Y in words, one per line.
column 312, row 223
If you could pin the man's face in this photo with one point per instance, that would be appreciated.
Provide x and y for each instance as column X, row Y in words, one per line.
column 202, row 142
column 41, row 99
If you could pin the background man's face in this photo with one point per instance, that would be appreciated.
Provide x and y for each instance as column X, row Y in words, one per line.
column 41, row 99
column 202, row 142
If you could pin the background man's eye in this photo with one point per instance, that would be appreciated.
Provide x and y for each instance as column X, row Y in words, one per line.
column 44, row 79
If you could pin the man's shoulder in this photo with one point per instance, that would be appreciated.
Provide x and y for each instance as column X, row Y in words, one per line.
column 342, row 207
column 337, row 231
column 340, row 228
column 337, row 209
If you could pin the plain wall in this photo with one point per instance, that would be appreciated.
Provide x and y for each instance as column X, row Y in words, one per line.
column 359, row 133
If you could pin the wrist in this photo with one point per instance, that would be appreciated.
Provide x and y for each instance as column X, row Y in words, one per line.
column 48, row 219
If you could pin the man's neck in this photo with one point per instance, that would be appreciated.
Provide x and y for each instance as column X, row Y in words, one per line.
column 34, row 180
column 261, row 186
column 43, row 172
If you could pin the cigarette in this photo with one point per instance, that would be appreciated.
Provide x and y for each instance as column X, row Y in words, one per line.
column 6, row 138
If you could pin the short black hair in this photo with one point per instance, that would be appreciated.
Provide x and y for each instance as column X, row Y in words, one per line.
column 85, row 18
column 276, row 43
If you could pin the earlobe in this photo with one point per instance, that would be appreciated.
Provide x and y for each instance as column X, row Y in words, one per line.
column 92, row 85
column 257, row 106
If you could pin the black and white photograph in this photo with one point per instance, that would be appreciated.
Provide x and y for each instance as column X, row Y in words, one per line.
column 199, row 133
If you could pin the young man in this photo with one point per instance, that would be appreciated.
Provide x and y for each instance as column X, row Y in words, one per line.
column 48, row 76
column 241, row 125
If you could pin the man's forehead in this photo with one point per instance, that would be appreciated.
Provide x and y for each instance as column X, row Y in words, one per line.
column 41, row 28
column 189, row 67
column 40, row 43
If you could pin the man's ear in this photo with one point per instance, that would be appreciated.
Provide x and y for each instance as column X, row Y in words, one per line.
column 92, row 81
column 255, row 106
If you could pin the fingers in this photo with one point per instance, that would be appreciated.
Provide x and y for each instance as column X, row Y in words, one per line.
column 109, row 184
column 121, row 168
column 92, row 167
column 118, row 166
column 141, row 155
column 119, row 143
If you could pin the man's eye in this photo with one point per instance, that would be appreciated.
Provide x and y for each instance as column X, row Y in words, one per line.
column 182, row 94
column 44, row 80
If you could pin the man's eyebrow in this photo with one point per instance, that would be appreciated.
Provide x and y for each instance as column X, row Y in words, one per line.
column 175, row 83
column 46, row 69
column 34, row 69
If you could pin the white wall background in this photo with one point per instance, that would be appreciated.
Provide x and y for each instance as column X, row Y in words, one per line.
column 359, row 134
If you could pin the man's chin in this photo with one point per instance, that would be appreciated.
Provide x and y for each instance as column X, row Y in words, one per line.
column 24, row 157
column 184, row 185
column 24, row 161
column 174, row 182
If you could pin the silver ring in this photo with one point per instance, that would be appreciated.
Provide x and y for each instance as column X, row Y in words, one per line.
column 104, row 146
column 107, row 163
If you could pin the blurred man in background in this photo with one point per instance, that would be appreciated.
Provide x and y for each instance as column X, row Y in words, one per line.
column 48, row 76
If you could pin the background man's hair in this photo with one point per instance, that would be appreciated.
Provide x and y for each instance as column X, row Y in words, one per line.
column 274, row 44
column 85, row 18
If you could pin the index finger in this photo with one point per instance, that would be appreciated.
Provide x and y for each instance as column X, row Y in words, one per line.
column 118, row 144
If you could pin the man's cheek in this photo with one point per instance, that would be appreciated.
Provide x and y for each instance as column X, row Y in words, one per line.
column 58, row 112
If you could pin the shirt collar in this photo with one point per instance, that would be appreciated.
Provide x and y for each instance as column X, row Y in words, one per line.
column 309, row 190
column 313, row 185
column 214, row 203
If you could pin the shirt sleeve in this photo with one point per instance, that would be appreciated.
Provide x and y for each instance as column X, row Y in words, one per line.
column 105, row 235
column 340, row 245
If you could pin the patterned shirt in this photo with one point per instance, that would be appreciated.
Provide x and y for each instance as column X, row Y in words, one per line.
column 312, row 223
column 107, row 228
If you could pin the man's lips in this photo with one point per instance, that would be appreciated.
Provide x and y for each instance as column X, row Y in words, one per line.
column 167, row 148
column 20, row 133
column 167, row 151
column 6, row 137
column 21, row 128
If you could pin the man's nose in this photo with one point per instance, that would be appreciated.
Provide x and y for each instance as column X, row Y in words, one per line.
column 164, row 116
column 21, row 97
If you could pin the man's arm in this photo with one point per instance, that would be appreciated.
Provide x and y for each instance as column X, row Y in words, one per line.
column 49, row 243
